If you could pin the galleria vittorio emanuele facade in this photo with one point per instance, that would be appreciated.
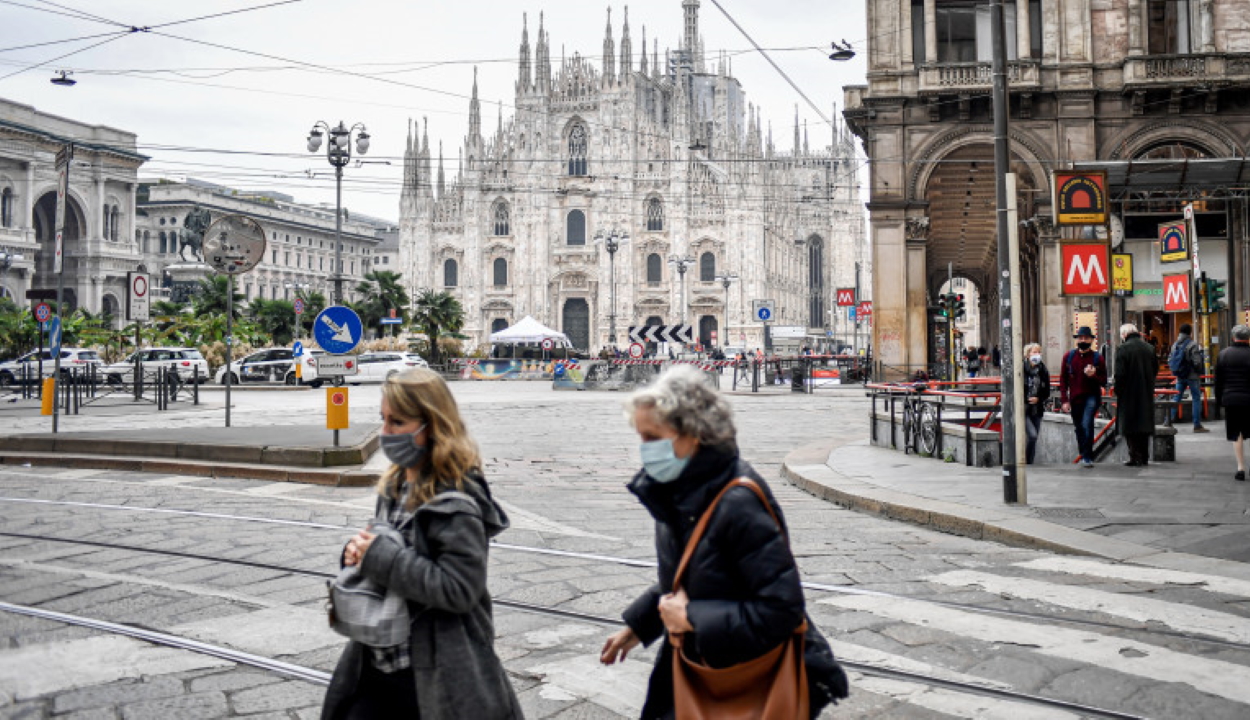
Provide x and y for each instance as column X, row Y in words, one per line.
column 662, row 148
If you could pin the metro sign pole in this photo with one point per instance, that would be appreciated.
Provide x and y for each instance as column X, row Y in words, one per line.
column 64, row 159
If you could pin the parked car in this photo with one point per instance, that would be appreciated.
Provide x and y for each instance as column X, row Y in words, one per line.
column 378, row 366
column 188, row 362
column 275, row 365
column 11, row 372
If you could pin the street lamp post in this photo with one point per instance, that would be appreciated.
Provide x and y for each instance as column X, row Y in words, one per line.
column 612, row 242
column 6, row 261
column 725, row 280
column 682, row 263
column 339, row 153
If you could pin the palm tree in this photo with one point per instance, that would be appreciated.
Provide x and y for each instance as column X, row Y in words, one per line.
column 381, row 291
column 314, row 303
column 211, row 298
column 275, row 318
column 436, row 313
column 18, row 330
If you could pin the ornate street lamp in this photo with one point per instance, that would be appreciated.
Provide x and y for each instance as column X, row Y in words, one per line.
column 612, row 242
column 682, row 263
column 6, row 261
column 725, row 280
column 339, row 153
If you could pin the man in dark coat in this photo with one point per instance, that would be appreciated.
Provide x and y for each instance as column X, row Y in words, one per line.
column 1232, row 392
column 1136, row 367
column 1082, row 376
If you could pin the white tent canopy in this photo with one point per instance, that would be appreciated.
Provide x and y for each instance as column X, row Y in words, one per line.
column 529, row 330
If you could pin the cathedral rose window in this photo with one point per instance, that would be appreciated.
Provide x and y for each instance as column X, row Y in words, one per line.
column 502, row 219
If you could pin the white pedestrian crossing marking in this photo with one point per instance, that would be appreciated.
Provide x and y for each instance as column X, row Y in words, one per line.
column 1184, row 618
column 1136, row 573
column 953, row 703
column 1130, row 657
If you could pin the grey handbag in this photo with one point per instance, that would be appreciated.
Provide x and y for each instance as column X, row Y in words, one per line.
column 364, row 610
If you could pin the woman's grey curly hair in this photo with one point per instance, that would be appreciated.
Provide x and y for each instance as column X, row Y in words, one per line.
column 683, row 399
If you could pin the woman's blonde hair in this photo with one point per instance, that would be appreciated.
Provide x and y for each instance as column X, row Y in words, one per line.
column 422, row 395
column 1030, row 346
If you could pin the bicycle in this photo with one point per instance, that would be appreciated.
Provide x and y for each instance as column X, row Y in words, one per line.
column 920, row 425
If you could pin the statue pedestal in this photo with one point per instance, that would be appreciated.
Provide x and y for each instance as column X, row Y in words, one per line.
column 184, row 280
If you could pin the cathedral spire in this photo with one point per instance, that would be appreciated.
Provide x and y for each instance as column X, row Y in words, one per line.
column 442, row 178
column 475, row 115
column 523, row 73
column 627, row 49
column 690, row 43
column 796, row 130
column 609, row 53
column 642, row 67
column 542, row 73
column 655, row 57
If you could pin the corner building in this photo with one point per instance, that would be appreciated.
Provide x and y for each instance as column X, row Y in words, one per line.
column 664, row 148
column 1151, row 91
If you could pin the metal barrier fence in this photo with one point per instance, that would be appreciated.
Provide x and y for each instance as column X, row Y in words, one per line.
column 917, row 409
column 83, row 386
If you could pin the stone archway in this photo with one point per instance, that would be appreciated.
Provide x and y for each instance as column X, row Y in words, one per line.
column 45, row 235
column 576, row 322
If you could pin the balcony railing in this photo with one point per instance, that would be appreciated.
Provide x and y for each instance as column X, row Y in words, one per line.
column 976, row 77
column 1161, row 70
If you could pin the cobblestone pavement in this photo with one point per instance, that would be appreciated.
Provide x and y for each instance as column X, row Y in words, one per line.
column 559, row 462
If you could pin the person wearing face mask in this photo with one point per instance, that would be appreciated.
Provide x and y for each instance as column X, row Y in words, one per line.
column 436, row 498
column 740, row 595
column 1036, row 392
column 1081, row 380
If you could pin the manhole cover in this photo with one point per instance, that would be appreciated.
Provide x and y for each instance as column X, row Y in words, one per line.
column 1074, row 513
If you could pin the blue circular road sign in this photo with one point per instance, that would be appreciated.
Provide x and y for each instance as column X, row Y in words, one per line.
column 764, row 313
column 338, row 330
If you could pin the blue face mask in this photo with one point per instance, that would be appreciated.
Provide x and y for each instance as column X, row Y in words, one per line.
column 661, row 462
column 403, row 449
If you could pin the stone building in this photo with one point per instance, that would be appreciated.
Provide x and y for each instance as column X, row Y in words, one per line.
column 663, row 148
column 300, row 243
column 99, row 245
column 1151, row 91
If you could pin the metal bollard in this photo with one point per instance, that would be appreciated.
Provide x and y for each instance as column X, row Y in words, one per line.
column 195, row 389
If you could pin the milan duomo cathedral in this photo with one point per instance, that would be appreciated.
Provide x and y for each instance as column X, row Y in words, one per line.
column 636, row 191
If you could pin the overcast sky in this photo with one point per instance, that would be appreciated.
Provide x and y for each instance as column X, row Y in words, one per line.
column 382, row 62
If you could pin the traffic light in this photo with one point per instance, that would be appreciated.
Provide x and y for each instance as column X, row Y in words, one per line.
column 1215, row 295
column 1203, row 307
column 960, row 310
column 943, row 307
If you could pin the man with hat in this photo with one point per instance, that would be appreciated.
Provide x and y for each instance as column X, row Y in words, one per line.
column 1081, row 379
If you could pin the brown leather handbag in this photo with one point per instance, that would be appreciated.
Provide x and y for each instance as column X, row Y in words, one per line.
column 772, row 686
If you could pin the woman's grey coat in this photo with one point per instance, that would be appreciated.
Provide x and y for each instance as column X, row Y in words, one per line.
column 457, row 673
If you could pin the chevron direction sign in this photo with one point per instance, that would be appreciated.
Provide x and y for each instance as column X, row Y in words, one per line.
column 662, row 333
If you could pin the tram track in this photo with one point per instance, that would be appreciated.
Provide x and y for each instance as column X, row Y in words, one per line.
column 322, row 678
column 631, row 562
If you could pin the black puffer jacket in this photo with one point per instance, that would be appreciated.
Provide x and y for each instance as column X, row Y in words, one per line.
column 745, row 596
column 1232, row 376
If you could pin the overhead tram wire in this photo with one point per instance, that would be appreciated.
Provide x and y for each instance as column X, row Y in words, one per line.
column 28, row 68
column 82, row 14
column 53, row 42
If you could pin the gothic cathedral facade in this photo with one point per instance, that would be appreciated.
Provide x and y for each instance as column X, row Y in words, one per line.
column 638, row 191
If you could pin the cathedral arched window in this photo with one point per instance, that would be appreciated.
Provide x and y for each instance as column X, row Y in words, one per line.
column 173, row 241
column 577, row 150
column 707, row 267
column 576, row 228
column 147, row 241
column 451, row 273
column 164, row 243
column 655, row 268
column 501, row 272
column 502, row 219
column 114, row 221
column 655, row 215
column 6, row 207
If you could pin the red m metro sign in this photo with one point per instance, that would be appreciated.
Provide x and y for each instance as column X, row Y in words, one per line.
column 846, row 297
column 1085, row 269
column 1176, row 292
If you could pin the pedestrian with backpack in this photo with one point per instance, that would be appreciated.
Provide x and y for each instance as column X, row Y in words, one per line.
column 1186, row 363
column 1081, row 379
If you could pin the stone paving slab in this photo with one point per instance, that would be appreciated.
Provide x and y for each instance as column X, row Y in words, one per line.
column 1188, row 517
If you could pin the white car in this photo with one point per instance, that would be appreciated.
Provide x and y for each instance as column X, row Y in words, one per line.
column 275, row 365
column 27, row 365
column 188, row 362
column 378, row 366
